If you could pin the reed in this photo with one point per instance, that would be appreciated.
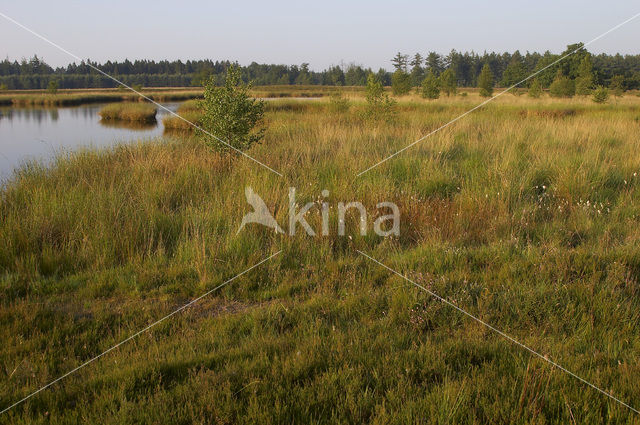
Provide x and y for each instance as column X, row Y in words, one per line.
column 138, row 112
column 171, row 122
column 83, row 97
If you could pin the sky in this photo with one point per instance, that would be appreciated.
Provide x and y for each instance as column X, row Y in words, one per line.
column 322, row 33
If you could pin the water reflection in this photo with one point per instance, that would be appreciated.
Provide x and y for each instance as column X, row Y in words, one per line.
column 132, row 125
column 37, row 133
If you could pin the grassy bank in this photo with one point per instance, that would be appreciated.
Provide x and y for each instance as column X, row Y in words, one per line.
column 138, row 112
column 87, row 96
column 528, row 220
column 190, row 111
column 82, row 97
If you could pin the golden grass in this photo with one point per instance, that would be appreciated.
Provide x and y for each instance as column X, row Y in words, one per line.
column 138, row 112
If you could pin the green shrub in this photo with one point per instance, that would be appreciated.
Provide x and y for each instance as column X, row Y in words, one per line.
column 430, row 87
column 485, row 81
column 231, row 114
column 400, row 82
column 562, row 86
column 617, row 85
column 448, row 82
column 52, row 88
column 535, row 90
column 600, row 95
column 379, row 105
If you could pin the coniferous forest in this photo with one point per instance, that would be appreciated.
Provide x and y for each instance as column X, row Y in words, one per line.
column 506, row 69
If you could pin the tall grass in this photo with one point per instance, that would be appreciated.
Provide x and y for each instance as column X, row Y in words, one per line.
column 529, row 221
column 82, row 97
column 138, row 112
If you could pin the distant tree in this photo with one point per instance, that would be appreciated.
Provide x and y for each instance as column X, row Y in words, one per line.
column 562, row 86
column 535, row 89
column 231, row 114
column 375, row 89
column 400, row 61
column 584, row 80
column 448, row 82
column 600, row 95
column 417, row 71
column 430, row 86
column 334, row 76
column 617, row 85
column 3, row 87
column 400, row 82
column 434, row 63
column 515, row 71
column 574, row 56
column 384, row 77
column 34, row 73
column 202, row 75
column 379, row 105
column 485, row 81
column 545, row 71
column 304, row 77
column 355, row 76
column 52, row 88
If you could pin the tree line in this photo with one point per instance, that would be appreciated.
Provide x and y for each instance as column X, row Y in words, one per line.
column 578, row 73
column 454, row 69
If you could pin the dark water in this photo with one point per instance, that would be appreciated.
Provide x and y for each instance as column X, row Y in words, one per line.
column 40, row 133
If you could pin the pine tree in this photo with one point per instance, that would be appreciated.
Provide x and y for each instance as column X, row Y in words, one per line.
column 399, row 62
column 379, row 105
column 430, row 87
column 417, row 72
column 434, row 63
column 514, row 72
column 448, row 82
column 617, row 85
column 600, row 95
column 584, row 81
column 304, row 77
column 535, row 89
column 400, row 82
column 485, row 81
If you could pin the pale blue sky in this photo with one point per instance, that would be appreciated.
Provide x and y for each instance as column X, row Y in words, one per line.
column 367, row 32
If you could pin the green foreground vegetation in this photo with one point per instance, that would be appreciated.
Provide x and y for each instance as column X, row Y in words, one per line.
column 524, row 213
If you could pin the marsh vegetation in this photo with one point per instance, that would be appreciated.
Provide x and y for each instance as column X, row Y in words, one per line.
column 524, row 213
column 135, row 112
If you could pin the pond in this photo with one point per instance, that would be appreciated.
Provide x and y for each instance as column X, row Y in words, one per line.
column 32, row 133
